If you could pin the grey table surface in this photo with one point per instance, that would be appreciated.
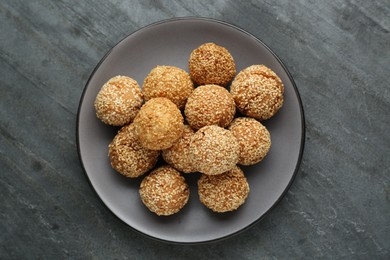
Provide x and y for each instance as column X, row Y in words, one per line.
column 337, row 51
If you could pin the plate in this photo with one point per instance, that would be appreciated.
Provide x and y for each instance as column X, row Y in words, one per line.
column 170, row 42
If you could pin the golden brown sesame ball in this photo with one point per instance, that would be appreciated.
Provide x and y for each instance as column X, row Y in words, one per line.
column 169, row 82
column 164, row 191
column 258, row 92
column 210, row 105
column 178, row 155
column 158, row 124
column 118, row 101
column 253, row 137
column 214, row 150
column 127, row 156
column 223, row 192
column 211, row 64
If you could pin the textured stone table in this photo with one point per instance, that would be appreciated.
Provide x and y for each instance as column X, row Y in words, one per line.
column 339, row 55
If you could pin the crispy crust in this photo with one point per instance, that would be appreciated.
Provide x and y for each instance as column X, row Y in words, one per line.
column 224, row 192
column 127, row 156
column 258, row 92
column 169, row 82
column 211, row 64
column 210, row 105
column 253, row 137
column 164, row 191
column 118, row 101
column 159, row 124
column 214, row 150
column 178, row 155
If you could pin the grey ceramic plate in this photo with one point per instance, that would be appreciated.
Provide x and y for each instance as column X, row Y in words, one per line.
column 169, row 43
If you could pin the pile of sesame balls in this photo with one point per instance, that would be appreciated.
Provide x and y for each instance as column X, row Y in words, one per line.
column 190, row 120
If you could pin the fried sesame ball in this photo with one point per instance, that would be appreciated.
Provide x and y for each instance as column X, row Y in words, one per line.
column 118, row 101
column 211, row 64
column 158, row 124
column 258, row 92
column 164, row 191
column 210, row 105
column 169, row 82
column 178, row 155
column 214, row 150
column 223, row 192
column 253, row 137
column 127, row 156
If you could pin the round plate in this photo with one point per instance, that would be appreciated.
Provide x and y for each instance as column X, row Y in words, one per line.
column 170, row 42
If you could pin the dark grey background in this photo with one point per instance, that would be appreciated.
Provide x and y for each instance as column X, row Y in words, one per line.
column 338, row 54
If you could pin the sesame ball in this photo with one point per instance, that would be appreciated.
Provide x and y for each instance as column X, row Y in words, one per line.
column 127, row 156
column 118, row 101
column 211, row 64
column 214, row 150
column 169, row 82
column 164, row 191
column 210, row 105
column 158, row 124
column 258, row 92
column 253, row 137
column 224, row 192
column 178, row 155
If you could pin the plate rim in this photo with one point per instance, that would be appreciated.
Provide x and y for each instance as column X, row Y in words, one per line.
column 302, row 114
